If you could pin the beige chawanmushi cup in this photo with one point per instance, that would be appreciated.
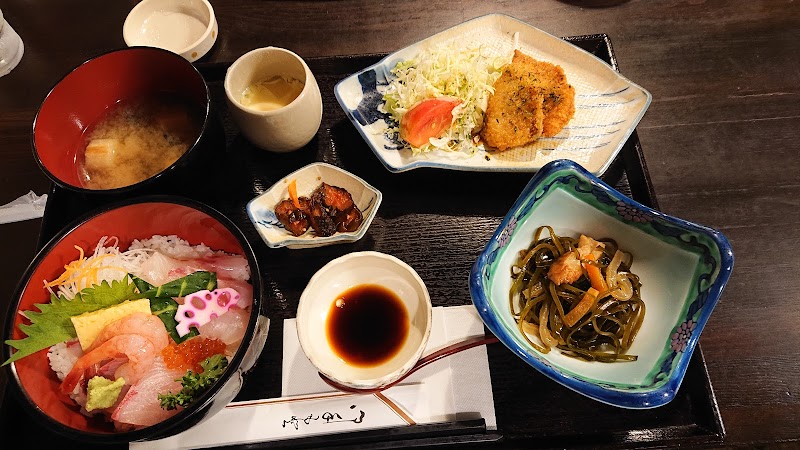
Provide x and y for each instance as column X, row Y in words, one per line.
column 280, row 130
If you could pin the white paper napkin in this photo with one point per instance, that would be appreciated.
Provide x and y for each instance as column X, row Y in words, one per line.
column 28, row 206
column 454, row 388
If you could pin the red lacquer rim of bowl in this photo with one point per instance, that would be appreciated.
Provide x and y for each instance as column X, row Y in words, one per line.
column 181, row 421
column 207, row 117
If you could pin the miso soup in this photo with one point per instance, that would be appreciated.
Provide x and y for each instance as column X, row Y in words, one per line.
column 137, row 139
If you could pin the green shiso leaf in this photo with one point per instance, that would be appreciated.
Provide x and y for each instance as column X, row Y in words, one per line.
column 51, row 324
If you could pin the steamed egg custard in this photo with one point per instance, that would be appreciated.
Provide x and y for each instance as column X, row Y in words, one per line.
column 272, row 93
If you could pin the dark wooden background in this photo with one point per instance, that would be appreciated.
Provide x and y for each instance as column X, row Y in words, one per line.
column 720, row 139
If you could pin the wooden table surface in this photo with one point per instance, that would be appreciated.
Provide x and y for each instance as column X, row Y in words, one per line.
column 721, row 139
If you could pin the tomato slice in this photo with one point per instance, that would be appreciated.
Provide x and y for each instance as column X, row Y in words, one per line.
column 427, row 119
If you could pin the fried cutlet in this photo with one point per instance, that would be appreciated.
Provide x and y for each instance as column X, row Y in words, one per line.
column 559, row 96
column 531, row 99
column 515, row 112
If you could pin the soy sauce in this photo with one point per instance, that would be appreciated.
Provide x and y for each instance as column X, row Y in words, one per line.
column 367, row 325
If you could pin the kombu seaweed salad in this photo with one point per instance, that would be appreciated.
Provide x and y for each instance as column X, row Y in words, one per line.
column 577, row 295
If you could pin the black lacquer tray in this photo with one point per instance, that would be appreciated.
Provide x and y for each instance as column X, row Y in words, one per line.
column 437, row 221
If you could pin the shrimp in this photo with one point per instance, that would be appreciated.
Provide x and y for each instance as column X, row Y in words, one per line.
column 568, row 268
column 140, row 323
column 587, row 245
column 127, row 356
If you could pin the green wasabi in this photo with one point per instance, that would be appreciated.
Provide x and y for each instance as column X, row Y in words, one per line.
column 102, row 392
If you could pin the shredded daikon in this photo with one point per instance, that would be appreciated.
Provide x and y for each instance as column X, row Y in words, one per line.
column 446, row 71
column 107, row 263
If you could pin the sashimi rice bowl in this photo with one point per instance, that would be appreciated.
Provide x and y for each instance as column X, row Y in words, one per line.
column 128, row 324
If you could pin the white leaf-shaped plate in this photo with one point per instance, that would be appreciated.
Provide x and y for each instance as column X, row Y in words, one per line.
column 608, row 106
column 261, row 209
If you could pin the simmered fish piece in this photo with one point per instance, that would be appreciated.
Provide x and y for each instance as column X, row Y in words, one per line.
column 326, row 203
column 328, row 210
column 333, row 196
column 293, row 218
column 349, row 220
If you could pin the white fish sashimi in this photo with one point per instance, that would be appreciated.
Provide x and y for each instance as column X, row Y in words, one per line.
column 244, row 289
column 232, row 271
column 141, row 407
column 160, row 268
column 234, row 267
column 228, row 328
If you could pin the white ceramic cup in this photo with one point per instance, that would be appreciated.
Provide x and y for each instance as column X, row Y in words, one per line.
column 186, row 27
column 346, row 272
column 285, row 129
column 11, row 47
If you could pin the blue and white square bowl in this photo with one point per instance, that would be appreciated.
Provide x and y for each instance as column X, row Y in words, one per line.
column 683, row 268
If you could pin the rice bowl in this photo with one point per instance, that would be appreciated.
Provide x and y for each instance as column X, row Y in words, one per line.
column 159, row 240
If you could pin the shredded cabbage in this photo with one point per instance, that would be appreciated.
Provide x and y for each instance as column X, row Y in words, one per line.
column 445, row 71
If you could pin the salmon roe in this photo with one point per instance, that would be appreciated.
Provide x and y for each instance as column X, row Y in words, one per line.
column 190, row 353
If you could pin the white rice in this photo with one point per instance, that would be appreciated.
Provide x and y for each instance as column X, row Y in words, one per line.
column 63, row 356
column 174, row 246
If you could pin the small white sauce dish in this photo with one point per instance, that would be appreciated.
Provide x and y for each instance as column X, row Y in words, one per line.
column 349, row 271
column 186, row 27
column 261, row 209
column 281, row 130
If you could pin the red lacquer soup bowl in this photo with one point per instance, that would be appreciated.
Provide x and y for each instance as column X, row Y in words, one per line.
column 36, row 385
column 87, row 96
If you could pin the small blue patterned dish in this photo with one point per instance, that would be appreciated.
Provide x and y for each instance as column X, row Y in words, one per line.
column 262, row 208
column 683, row 268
